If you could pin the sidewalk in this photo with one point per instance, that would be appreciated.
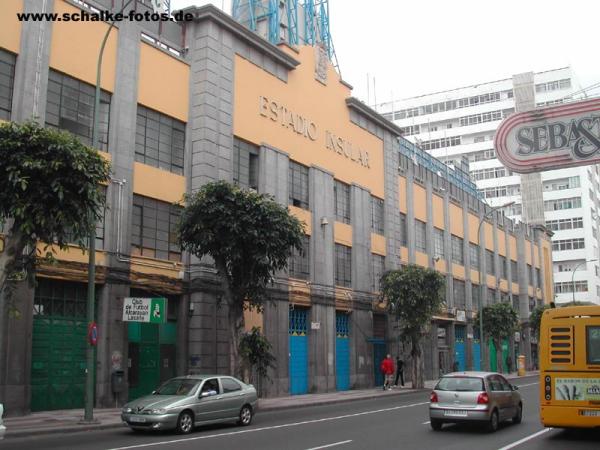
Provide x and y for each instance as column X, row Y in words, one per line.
column 67, row 421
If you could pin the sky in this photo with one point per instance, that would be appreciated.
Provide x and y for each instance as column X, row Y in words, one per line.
column 398, row 49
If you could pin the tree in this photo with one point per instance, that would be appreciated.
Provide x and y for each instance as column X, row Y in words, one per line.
column 414, row 294
column 49, row 192
column 500, row 320
column 255, row 350
column 535, row 319
column 249, row 236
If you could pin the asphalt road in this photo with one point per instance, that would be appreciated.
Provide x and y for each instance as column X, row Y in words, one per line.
column 383, row 423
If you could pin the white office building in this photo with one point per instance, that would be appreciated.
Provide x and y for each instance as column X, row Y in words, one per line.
column 460, row 123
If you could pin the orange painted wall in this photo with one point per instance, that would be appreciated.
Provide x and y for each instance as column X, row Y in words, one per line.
column 501, row 242
column 402, row 194
column 473, row 222
column 527, row 251
column 421, row 259
column 75, row 47
column 342, row 233
column 10, row 27
column 420, row 202
column 547, row 268
column 158, row 70
column 404, row 254
column 438, row 211
column 489, row 235
column 512, row 242
column 378, row 244
column 456, row 221
column 158, row 184
column 475, row 276
column 323, row 105
column 305, row 216
column 458, row 271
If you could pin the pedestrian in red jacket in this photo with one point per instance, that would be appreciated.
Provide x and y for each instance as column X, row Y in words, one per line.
column 387, row 368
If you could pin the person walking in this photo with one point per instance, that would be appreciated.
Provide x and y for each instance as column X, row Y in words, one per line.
column 387, row 368
column 399, row 371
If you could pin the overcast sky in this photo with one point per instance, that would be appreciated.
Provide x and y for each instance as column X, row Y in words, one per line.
column 417, row 47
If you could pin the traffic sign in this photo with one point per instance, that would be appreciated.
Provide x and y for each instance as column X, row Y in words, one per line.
column 149, row 310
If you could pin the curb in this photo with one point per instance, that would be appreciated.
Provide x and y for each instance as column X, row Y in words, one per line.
column 28, row 432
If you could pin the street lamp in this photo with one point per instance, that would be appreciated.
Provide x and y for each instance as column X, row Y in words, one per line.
column 483, row 285
column 573, row 276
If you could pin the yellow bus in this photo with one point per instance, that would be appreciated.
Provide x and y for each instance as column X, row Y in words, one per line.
column 570, row 367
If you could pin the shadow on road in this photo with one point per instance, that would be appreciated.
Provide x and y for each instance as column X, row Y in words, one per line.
column 576, row 435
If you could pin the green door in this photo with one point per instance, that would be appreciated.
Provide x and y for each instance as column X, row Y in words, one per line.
column 59, row 342
column 493, row 354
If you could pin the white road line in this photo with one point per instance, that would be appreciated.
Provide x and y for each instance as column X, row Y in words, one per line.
column 525, row 439
column 331, row 445
column 426, row 423
column 274, row 427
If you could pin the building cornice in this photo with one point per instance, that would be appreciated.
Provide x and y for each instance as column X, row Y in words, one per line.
column 211, row 12
column 373, row 116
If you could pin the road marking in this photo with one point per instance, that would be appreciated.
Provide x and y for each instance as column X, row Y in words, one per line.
column 525, row 439
column 330, row 445
column 426, row 423
column 274, row 427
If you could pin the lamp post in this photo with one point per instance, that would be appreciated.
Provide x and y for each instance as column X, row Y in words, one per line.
column 483, row 285
column 573, row 276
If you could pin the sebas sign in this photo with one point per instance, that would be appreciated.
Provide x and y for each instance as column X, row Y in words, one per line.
column 550, row 138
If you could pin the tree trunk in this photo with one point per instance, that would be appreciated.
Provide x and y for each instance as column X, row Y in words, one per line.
column 499, row 362
column 14, row 245
column 416, row 363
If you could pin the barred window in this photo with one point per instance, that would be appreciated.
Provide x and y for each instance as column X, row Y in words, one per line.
column 474, row 255
column 298, row 185
column 7, row 81
column 245, row 164
column 403, row 230
column 154, row 231
column 503, row 268
column 377, row 215
column 420, row 237
column 491, row 296
column 300, row 261
column 60, row 298
column 99, row 228
column 538, row 278
column 378, row 269
column 475, row 296
column 514, row 273
column 342, row 201
column 458, row 252
column 489, row 262
column 343, row 265
column 70, row 107
column 530, row 273
column 458, row 291
column 159, row 140
column 438, row 243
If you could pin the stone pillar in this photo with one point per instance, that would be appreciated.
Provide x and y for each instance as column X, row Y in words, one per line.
column 361, row 351
column 321, row 342
column 361, row 238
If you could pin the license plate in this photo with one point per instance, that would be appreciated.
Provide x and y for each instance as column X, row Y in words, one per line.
column 137, row 419
column 589, row 413
column 455, row 413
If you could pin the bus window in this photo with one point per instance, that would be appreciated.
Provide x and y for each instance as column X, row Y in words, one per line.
column 593, row 345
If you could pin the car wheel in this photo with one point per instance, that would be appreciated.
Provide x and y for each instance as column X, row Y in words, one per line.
column 436, row 424
column 185, row 422
column 493, row 422
column 519, row 414
column 245, row 416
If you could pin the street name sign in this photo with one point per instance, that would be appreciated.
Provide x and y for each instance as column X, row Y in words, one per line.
column 148, row 310
column 561, row 136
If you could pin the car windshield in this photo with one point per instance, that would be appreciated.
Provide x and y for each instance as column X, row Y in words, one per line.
column 178, row 386
column 460, row 384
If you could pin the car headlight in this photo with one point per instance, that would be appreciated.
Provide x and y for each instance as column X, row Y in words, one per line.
column 158, row 411
column 127, row 409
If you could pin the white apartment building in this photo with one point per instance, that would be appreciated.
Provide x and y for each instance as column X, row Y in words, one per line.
column 460, row 123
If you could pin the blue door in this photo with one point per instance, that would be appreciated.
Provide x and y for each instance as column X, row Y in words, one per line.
column 342, row 352
column 378, row 356
column 459, row 347
column 298, row 364
column 476, row 352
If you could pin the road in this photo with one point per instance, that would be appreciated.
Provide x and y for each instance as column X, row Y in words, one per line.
column 383, row 423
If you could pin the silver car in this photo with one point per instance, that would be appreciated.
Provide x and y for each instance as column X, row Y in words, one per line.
column 184, row 402
column 483, row 397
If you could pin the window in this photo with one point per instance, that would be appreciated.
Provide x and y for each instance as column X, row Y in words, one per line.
column 568, row 244
column 440, row 143
column 503, row 268
column 343, row 265
column 403, row 230
column 565, row 224
column 230, row 385
column 458, row 255
column 420, row 238
column 491, row 296
column 514, row 273
column 561, row 184
column 154, row 230
column 563, row 203
column 566, row 287
column 300, row 261
column 160, row 140
column 99, row 228
column 7, row 80
column 491, row 116
column 342, row 201
column 458, row 291
column 483, row 155
column 490, row 173
column 60, row 298
column 530, row 273
column 538, row 278
column 377, row 215
column 553, row 85
column 211, row 385
column 438, row 243
column 489, row 262
column 378, row 269
column 298, row 185
column 70, row 107
column 410, row 130
column 474, row 255
column 593, row 344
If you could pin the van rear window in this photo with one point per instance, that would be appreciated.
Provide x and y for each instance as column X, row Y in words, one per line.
column 593, row 345
column 460, row 384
